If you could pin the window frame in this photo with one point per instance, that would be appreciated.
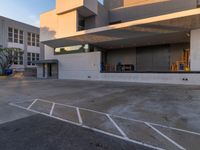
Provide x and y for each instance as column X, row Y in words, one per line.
column 10, row 34
column 21, row 37
column 16, row 35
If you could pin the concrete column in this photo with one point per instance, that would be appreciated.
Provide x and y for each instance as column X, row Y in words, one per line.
column 195, row 50
column 46, row 71
column 25, row 48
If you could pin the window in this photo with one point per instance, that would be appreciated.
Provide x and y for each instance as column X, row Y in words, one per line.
column 81, row 23
column 29, row 39
column 15, row 58
column 38, row 40
column 21, row 37
column 28, row 59
column 73, row 49
column 37, row 56
column 10, row 34
column 33, row 39
column 16, row 34
column 18, row 58
column 33, row 59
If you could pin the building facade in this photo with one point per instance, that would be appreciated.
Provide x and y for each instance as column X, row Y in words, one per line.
column 155, row 41
column 14, row 34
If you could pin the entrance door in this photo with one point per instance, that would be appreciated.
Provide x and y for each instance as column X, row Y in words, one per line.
column 43, row 70
column 49, row 70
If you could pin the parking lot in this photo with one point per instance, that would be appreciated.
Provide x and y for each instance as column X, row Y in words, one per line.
column 102, row 115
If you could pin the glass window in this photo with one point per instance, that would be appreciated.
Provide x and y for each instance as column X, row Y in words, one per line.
column 10, row 34
column 28, row 59
column 33, row 58
column 29, row 39
column 21, row 37
column 16, row 34
column 38, row 40
column 37, row 56
column 18, row 58
column 81, row 23
column 33, row 39
column 15, row 58
column 73, row 49
column 21, row 61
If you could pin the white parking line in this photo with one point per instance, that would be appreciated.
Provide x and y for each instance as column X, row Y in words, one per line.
column 32, row 104
column 52, row 108
column 93, row 129
column 130, row 119
column 166, row 137
column 79, row 116
column 135, row 120
column 118, row 128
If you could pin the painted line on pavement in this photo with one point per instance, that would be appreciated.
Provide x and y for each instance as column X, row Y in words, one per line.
column 118, row 128
column 130, row 119
column 79, row 116
column 32, row 104
column 90, row 128
column 52, row 108
column 166, row 137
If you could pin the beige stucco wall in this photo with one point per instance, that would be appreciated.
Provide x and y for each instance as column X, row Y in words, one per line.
column 48, row 25
column 67, row 5
column 151, row 9
column 128, row 3
column 57, row 26
column 67, row 24
column 63, row 6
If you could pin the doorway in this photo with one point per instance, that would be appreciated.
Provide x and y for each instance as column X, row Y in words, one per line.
column 49, row 70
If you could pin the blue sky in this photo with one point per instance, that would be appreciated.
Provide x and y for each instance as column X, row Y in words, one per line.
column 27, row 11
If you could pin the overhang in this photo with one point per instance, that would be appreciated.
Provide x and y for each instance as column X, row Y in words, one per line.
column 170, row 28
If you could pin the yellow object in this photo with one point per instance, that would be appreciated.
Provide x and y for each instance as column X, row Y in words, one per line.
column 184, row 61
column 187, row 68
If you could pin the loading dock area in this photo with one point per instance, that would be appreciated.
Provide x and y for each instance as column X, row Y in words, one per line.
column 146, row 115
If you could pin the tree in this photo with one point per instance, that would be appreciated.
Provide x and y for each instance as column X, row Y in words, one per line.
column 7, row 57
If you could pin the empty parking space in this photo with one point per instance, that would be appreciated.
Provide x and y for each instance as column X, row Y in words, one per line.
column 136, row 131
column 149, row 115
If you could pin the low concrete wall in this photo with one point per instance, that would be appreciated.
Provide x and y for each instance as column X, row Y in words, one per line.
column 166, row 78
column 86, row 66
column 79, row 66
column 40, row 71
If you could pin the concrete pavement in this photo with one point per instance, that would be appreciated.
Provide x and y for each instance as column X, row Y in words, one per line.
column 156, row 106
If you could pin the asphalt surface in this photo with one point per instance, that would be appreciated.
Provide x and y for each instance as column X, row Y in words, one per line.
column 43, row 133
column 175, row 106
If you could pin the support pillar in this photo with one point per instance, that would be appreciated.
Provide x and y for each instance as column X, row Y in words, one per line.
column 195, row 50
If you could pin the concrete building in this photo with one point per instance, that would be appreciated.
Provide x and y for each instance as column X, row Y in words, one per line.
column 156, row 41
column 14, row 34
